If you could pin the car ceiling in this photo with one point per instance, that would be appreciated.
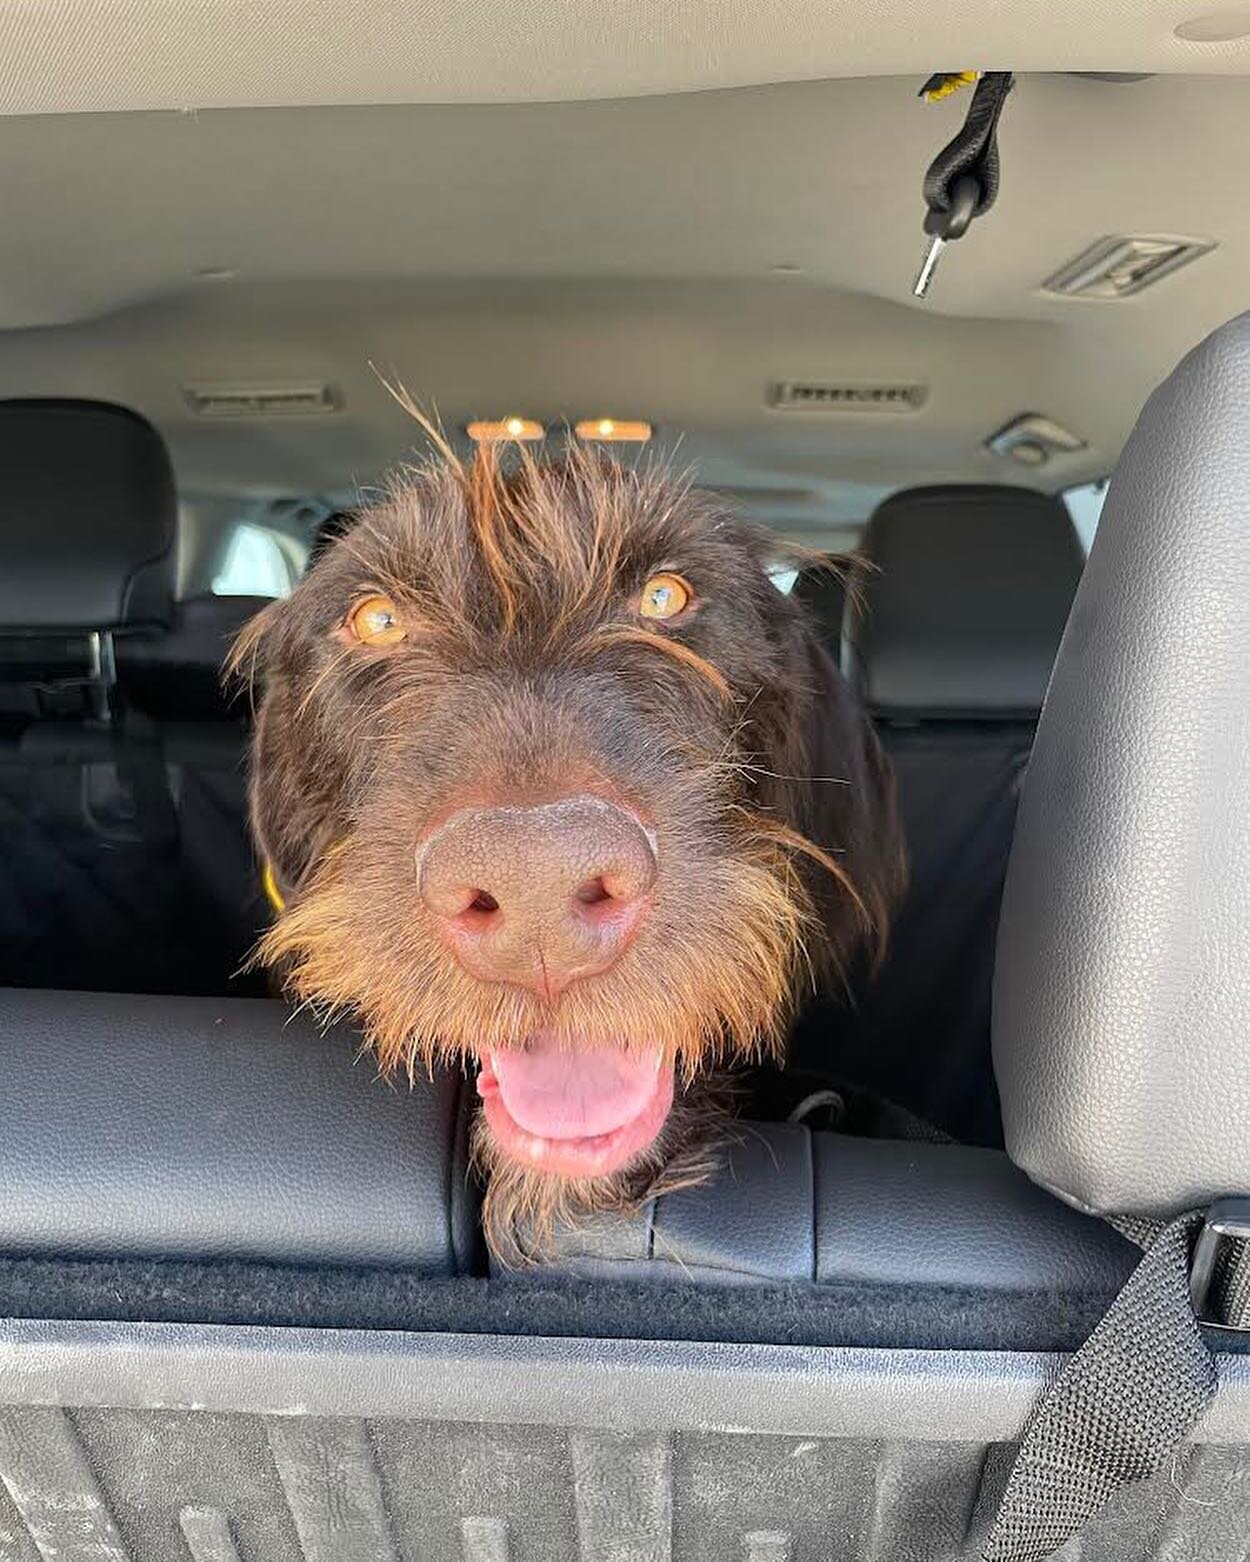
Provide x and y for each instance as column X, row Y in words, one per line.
column 664, row 257
column 176, row 54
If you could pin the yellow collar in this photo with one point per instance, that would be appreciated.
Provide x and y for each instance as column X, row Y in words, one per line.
column 272, row 893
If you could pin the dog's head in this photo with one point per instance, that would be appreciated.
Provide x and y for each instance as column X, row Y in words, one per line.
column 553, row 779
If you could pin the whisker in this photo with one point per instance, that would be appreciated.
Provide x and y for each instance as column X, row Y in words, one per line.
column 334, row 663
column 777, row 775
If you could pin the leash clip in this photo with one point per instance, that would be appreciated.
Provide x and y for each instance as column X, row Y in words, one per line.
column 962, row 180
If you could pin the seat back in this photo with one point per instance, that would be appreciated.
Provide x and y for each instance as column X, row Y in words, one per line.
column 176, row 681
column 176, row 677
column 1123, row 979
column 87, row 838
column 952, row 628
column 102, row 883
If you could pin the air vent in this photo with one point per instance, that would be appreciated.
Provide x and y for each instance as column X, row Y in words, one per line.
column 1120, row 267
column 261, row 401
column 844, row 396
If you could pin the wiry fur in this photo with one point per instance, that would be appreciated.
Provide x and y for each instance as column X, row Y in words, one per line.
column 526, row 674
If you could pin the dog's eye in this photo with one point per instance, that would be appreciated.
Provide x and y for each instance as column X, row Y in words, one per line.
column 664, row 596
column 375, row 620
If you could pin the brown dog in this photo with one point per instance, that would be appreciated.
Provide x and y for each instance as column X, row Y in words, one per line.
column 554, row 781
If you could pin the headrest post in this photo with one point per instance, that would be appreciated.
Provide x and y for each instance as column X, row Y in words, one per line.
column 103, row 675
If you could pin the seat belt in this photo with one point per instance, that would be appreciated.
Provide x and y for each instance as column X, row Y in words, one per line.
column 1130, row 1397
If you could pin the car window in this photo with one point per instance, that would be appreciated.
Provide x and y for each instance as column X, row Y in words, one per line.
column 1085, row 506
column 256, row 564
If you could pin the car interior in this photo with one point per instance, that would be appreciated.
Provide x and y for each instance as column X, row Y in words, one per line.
column 247, row 1313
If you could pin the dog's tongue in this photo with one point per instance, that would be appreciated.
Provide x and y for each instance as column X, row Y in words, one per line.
column 573, row 1095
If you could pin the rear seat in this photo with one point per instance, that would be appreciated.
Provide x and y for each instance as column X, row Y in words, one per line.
column 149, row 1129
column 176, row 677
column 124, row 858
column 223, row 1160
column 950, row 636
column 794, row 1206
column 176, row 681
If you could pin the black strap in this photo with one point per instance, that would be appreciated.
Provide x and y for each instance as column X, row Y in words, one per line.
column 140, row 759
column 1230, row 1291
column 1123, row 1405
column 962, row 180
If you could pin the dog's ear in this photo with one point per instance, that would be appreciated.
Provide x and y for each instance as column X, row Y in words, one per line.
column 293, row 783
column 833, row 785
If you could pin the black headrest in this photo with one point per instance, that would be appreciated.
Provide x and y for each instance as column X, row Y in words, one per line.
column 335, row 525
column 1122, row 982
column 88, row 513
column 823, row 592
column 965, row 596
column 177, row 676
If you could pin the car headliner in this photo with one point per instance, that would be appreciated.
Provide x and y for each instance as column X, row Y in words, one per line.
column 664, row 257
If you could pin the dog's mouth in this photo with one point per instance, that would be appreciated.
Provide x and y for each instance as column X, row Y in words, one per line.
column 574, row 1112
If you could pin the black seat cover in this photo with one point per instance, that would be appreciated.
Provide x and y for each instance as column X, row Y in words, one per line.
column 176, row 679
column 124, row 859
column 177, row 676
column 952, row 631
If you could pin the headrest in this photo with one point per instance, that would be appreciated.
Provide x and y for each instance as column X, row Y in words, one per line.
column 87, row 518
column 1122, row 984
column 335, row 525
column 177, row 676
column 823, row 593
column 248, row 1133
column 962, row 601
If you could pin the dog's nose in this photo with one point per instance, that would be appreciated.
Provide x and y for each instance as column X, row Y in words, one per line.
column 539, row 895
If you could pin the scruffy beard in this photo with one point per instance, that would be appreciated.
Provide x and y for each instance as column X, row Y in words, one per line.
column 701, row 997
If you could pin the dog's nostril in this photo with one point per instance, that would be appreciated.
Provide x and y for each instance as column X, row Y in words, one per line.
column 593, row 891
column 483, row 901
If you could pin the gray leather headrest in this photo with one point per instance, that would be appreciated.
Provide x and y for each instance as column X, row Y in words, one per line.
column 1122, row 990
column 87, row 518
column 961, row 607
